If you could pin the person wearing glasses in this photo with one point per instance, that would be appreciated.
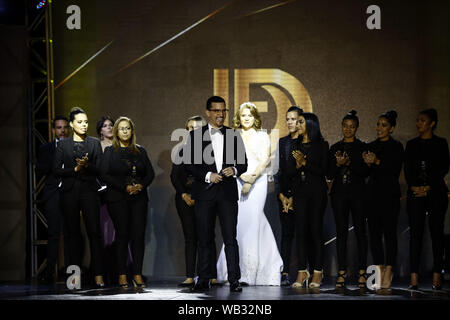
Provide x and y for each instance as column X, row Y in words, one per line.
column 127, row 172
column 217, row 160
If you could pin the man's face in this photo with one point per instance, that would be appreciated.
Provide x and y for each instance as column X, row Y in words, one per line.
column 61, row 129
column 291, row 121
column 217, row 114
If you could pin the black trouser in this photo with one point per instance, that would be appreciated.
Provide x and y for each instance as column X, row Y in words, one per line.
column 129, row 217
column 342, row 205
column 309, row 209
column 205, row 217
column 53, row 214
column 383, row 218
column 436, row 206
column 82, row 197
column 287, row 221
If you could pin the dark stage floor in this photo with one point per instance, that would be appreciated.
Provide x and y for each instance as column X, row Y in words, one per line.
column 169, row 291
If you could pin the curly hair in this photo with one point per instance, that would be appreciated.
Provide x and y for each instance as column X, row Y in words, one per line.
column 254, row 112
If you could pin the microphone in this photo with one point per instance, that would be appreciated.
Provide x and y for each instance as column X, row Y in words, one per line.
column 212, row 183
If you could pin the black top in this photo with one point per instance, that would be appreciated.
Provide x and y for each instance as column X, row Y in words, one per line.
column 121, row 167
column 383, row 178
column 427, row 162
column 310, row 177
column 351, row 178
column 283, row 182
column 182, row 180
column 64, row 162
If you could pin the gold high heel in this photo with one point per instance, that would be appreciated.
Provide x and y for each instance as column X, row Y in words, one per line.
column 387, row 278
column 138, row 282
column 317, row 284
column 123, row 283
column 306, row 279
column 99, row 283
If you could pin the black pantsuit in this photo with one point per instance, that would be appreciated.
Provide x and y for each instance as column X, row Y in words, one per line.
column 383, row 200
column 79, row 192
column 122, row 167
column 347, row 197
column 426, row 164
column 310, row 200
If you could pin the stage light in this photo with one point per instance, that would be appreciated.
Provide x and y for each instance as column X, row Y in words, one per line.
column 40, row 4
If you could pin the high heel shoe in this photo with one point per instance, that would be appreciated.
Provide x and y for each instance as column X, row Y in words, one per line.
column 123, row 283
column 189, row 282
column 387, row 278
column 317, row 284
column 303, row 281
column 341, row 274
column 437, row 282
column 364, row 275
column 414, row 282
column 138, row 282
column 99, row 283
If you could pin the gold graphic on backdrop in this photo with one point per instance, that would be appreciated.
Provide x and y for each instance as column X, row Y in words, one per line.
column 285, row 89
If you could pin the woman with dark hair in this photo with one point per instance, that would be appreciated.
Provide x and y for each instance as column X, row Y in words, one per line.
column 127, row 171
column 348, row 171
column 105, row 131
column 426, row 164
column 77, row 162
column 310, row 198
column 384, row 158
column 182, row 181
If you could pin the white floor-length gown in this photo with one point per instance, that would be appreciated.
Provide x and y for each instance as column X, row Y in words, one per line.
column 259, row 259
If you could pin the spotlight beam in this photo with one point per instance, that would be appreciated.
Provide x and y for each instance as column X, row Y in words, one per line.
column 174, row 37
column 268, row 8
column 83, row 65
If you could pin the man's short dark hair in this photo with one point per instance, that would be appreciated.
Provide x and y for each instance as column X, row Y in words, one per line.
column 295, row 109
column 213, row 99
column 59, row 118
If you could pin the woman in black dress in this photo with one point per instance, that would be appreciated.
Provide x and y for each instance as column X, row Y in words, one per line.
column 77, row 162
column 127, row 172
column 384, row 158
column 348, row 171
column 426, row 164
column 309, row 167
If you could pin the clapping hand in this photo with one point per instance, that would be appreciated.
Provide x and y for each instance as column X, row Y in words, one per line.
column 300, row 158
column 82, row 163
column 370, row 158
column 287, row 203
column 342, row 158
column 421, row 191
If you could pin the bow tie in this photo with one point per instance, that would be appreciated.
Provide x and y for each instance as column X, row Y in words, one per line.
column 221, row 130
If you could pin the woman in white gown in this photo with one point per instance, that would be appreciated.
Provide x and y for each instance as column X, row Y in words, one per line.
column 259, row 259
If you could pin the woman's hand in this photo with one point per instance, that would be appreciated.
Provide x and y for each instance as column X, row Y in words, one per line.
column 187, row 198
column 82, row 163
column 421, row 191
column 246, row 188
column 248, row 178
column 370, row 158
column 300, row 158
column 133, row 189
column 342, row 159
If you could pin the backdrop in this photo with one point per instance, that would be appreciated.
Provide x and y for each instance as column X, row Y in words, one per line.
column 158, row 61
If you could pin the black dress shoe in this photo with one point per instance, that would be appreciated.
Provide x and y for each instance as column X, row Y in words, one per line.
column 200, row 286
column 285, row 280
column 235, row 287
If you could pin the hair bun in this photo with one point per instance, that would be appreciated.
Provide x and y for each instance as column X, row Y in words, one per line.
column 392, row 113
column 76, row 109
column 352, row 112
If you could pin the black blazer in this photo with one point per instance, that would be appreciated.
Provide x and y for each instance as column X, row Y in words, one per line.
column 283, row 182
column 64, row 155
column 116, row 173
column 358, row 169
column 435, row 153
column 383, row 179
column 199, row 171
column 181, row 179
column 44, row 167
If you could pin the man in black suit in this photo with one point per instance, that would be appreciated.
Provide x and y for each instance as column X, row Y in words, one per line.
column 217, row 157
column 283, row 187
column 50, row 193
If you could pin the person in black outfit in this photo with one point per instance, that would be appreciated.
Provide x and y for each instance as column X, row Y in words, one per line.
column 348, row 171
column 77, row 160
column 309, row 169
column 283, row 188
column 182, row 182
column 217, row 157
column 50, row 193
column 127, row 172
column 426, row 164
column 384, row 158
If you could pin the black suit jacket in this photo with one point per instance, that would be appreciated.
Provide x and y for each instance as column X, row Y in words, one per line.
column 199, row 140
column 283, row 182
column 116, row 174
column 44, row 167
column 64, row 155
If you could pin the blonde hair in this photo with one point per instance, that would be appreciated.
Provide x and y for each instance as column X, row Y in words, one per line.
column 116, row 142
column 254, row 112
